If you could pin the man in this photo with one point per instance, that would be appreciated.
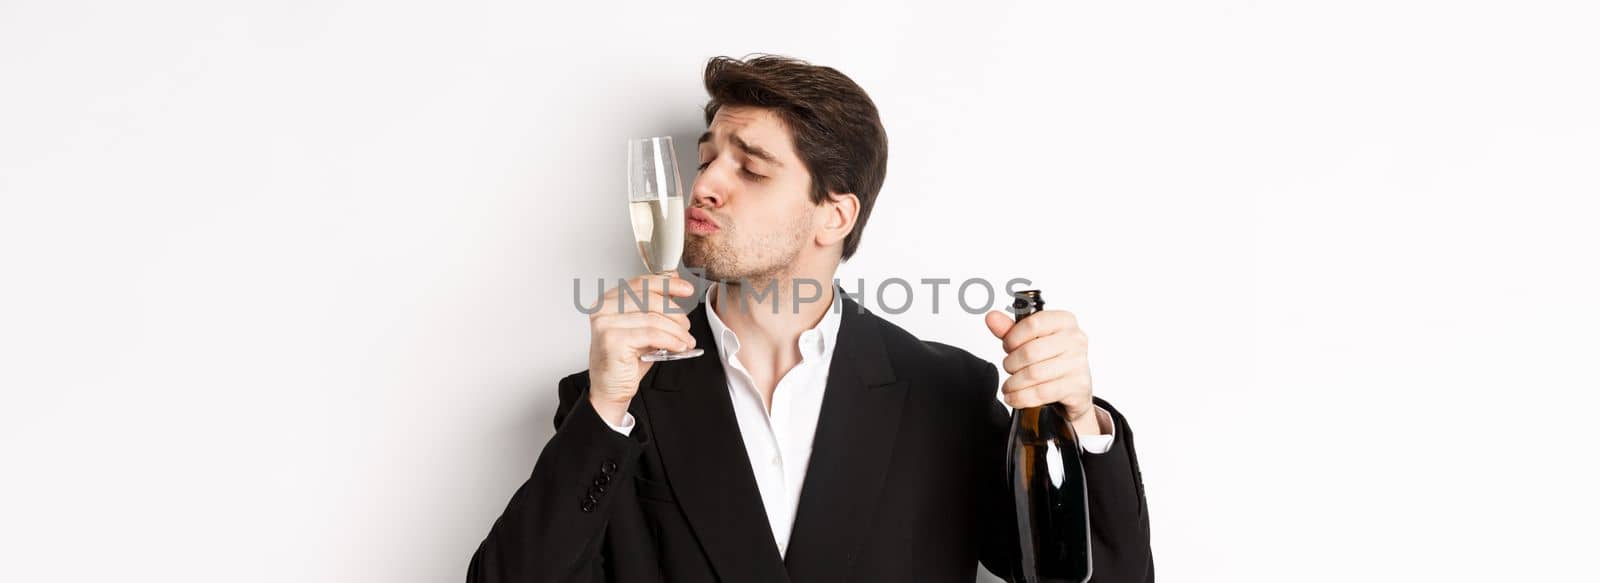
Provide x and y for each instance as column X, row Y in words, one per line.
column 808, row 443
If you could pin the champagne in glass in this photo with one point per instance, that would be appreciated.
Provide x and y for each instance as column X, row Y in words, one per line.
column 658, row 228
column 655, row 203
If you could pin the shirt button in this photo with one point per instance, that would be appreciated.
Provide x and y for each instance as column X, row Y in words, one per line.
column 775, row 460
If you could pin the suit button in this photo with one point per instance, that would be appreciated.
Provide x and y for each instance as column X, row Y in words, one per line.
column 608, row 468
column 602, row 480
column 588, row 506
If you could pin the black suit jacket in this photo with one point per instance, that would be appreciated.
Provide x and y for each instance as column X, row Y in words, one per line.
column 906, row 480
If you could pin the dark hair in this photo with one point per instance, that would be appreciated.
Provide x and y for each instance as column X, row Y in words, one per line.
column 835, row 124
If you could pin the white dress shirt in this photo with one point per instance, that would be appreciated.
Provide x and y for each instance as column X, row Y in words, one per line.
column 779, row 441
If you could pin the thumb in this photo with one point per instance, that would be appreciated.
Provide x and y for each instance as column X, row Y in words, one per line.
column 998, row 323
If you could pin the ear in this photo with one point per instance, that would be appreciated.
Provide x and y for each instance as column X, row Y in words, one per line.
column 838, row 217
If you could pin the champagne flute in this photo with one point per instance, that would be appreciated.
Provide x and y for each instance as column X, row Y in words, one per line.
column 655, row 201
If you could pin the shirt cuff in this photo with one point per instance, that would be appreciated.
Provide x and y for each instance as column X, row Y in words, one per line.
column 626, row 427
column 1095, row 444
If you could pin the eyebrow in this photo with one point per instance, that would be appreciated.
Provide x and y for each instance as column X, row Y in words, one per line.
column 748, row 148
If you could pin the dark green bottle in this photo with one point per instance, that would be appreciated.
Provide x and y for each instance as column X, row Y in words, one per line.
column 1046, row 477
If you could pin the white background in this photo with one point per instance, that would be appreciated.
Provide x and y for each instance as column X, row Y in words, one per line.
column 287, row 285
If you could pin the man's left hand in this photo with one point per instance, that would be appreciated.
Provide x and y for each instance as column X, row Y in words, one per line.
column 1047, row 356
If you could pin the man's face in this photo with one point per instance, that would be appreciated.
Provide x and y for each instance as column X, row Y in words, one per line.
column 751, row 214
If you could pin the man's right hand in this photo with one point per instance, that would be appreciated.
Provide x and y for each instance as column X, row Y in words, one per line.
column 621, row 330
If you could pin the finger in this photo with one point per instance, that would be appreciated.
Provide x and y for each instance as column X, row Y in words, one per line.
column 655, row 320
column 669, row 284
column 659, row 304
column 1039, row 324
column 648, row 339
column 1023, row 399
column 1053, row 392
column 998, row 323
column 1036, row 350
column 629, row 321
column 679, row 318
column 662, row 306
column 646, row 293
column 1038, row 373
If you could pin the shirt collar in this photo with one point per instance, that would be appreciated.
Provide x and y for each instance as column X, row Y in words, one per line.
column 813, row 343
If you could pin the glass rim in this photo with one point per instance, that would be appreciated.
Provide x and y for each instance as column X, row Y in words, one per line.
column 649, row 139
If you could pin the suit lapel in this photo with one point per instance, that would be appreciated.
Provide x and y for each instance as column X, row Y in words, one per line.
column 855, row 437
column 704, row 458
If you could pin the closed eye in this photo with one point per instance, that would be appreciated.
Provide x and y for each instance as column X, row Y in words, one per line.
column 746, row 171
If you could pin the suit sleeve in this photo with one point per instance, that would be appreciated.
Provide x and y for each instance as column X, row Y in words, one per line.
column 1119, row 520
column 554, row 528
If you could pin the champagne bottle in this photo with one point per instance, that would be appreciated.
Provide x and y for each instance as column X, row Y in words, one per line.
column 1047, row 486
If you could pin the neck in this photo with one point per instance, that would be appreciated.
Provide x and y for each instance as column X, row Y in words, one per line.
column 771, row 315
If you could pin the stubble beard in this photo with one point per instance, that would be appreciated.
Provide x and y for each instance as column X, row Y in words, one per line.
column 725, row 256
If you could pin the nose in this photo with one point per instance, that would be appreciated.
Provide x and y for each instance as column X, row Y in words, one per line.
column 709, row 188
